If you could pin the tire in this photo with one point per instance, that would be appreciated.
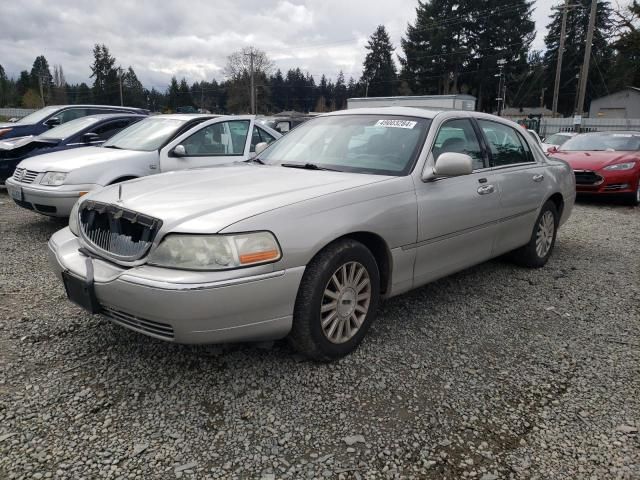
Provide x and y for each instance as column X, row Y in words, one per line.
column 633, row 199
column 535, row 254
column 320, row 299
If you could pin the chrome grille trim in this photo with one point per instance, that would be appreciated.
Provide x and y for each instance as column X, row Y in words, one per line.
column 117, row 232
column 24, row 176
column 134, row 322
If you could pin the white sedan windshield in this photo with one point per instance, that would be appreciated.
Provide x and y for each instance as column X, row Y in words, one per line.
column 147, row 135
column 379, row 144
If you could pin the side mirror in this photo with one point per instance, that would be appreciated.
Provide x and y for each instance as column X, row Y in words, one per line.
column 52, row 122
column 453, row 164
column 179, row 151
column 260, row 147
column 553, row 149
column 90, row 137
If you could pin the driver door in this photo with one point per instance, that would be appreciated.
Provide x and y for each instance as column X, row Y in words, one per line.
column 457, row 216
column 215, row 142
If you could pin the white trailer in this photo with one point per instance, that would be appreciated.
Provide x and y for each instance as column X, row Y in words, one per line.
column 441, row 102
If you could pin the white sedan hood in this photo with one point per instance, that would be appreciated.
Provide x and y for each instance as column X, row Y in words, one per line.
column 69, row 160
column 209, row 199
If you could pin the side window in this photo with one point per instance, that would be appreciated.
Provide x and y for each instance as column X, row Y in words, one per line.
column 72, row 114
column 223, row 138
column 108, row 130
column 259, row 136
column 459, row 136
column 507, row 147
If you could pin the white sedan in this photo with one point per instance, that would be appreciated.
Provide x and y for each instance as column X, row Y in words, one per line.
column 51, row 184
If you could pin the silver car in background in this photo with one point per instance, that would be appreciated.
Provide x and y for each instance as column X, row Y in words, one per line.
column 305, row 239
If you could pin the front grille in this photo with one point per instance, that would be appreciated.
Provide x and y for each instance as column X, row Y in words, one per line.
column 587, row 177
column 122, row 233
column 136, row 323
column 24, row 176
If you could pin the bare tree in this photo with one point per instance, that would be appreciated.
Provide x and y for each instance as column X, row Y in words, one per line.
column 239, row 63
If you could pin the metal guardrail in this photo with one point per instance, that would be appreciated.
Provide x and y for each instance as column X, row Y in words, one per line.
column 16, row 112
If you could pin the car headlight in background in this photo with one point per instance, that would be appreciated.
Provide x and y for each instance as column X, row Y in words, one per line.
column 216, row 252
column 73, row 219
column 621, row 166
column 4, row 131
column 53, row 178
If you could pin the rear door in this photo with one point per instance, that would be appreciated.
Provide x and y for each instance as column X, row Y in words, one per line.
column 521, row 181
column 215, row 142
column 457, row 216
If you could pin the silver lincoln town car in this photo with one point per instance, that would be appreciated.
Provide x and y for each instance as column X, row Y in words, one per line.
column 304, row 240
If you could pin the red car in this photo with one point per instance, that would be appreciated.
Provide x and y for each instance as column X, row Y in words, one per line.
column 604, row 163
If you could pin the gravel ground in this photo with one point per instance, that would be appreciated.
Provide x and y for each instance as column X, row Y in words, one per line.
column 497, row 372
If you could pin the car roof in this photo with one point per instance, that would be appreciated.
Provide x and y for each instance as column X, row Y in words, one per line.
column 84, row 105
column 612, row 132
column 185, row 116
column 402, row 111
column 106, row 116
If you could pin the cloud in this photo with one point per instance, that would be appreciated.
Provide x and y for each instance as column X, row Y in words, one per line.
column 193, row 38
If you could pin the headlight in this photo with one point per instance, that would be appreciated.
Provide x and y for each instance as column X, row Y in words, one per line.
column 73, row 219
column 216, row 252
column 621, row 166
column 53, row 178
column 4, row 131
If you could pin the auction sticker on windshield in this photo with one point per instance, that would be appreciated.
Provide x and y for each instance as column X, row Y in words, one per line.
column 396, row 123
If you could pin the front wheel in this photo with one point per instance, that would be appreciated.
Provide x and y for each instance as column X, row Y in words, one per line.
column 536, row 253
column 337, row 301
column 633, row 199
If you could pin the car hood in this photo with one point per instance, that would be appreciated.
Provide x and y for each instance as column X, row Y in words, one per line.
column 18, row 142
column 209, row 199
column 69, row 160
column 595, row 160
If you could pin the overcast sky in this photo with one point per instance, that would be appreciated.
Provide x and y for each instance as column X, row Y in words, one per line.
column 193, row 38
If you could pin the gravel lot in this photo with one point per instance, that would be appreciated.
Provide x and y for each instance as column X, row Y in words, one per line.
column 497, row 372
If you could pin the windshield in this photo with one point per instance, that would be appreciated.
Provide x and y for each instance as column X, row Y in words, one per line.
column 70, row 128
column 379, row 144
column 146, row 135
column 38, row 115
column 557, row 139
column 625, row 142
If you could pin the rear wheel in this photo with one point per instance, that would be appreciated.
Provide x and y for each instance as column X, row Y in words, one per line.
column 337, row 301
column 536, row 253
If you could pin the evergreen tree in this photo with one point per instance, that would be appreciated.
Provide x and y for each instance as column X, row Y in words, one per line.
column 340, row 92
column 278, row 92
column 626, row 63
column 133, row 92
column 106, row 88
column 454, row 47
column 40, row 73
column 577, row 24
column 379, row 70
column 173, row 94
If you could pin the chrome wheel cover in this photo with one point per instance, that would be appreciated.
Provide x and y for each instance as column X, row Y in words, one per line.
column 345, row 302
column 544, row 234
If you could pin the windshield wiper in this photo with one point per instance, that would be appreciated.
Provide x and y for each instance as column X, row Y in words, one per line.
column 255, row 160
column 112, row 146
column 308, row 166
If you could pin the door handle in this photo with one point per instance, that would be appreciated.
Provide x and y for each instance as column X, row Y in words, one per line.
column 153, row 166
column 486, row 189
column 538, row 178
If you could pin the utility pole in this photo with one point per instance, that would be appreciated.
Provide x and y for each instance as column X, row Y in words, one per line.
column 584, row 74
column 120, row 81
column 251, row 55
column 502, row 87
column 542, row 97
column 201, row 96
column 40, row 82
column 563, row 34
